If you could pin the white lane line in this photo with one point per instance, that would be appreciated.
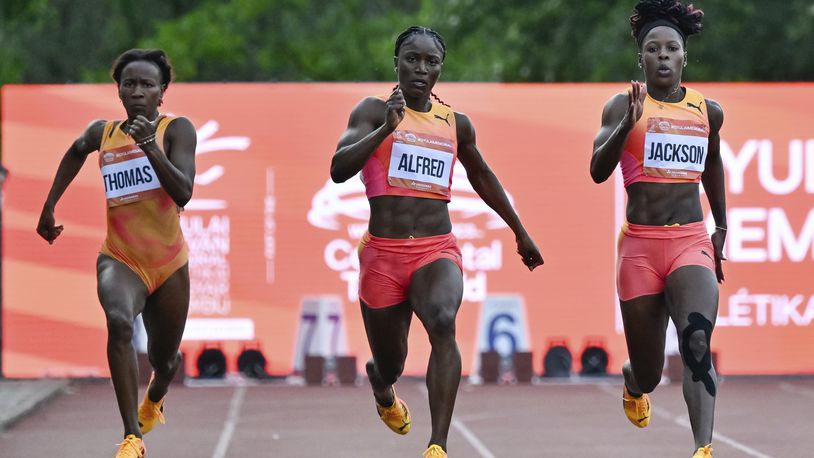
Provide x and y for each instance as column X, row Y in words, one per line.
column 230, row 423
column 789, row 388
column 467, row 433
column 716, row 436
column 684, row 423
column 473, row 440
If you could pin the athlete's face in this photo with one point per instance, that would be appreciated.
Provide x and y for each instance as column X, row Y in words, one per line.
column 140, row 89
column 418, row 66
column 662, row 57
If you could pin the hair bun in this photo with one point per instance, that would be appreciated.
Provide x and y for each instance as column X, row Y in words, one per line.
column 687, row 17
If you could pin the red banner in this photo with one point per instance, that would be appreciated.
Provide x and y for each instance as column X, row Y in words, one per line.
column 272, row 239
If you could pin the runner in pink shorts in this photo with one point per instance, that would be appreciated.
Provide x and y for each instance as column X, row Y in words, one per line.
column 666, row 137
column 405, row 145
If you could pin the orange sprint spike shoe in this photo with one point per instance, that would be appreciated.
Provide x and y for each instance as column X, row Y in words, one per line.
column 397, row 416
column 149, row 412
column 704, row 452
column 637, row 409
column 131, row 447
column 434, row 451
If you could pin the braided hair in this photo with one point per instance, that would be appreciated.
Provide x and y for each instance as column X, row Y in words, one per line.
column 648, row 14
column 418, row 30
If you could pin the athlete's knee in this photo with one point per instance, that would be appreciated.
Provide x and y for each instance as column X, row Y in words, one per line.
column 695, row 340
column 390, row 371
column 647, row 383
column 119, row 326
column 441, row 324
column 697, row 345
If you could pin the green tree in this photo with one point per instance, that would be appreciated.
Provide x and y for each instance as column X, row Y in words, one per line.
column 56, row 41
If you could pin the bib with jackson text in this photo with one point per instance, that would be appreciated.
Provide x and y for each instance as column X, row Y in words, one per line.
column 421, row 162
column 675, row 148
column 128, row 175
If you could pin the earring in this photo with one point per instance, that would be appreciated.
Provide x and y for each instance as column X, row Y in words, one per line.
column 640, row 65
column 685, row 63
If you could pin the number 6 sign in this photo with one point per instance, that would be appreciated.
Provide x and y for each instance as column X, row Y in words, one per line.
column 502, row 327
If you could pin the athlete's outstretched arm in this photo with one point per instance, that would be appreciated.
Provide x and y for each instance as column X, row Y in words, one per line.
column 488, row 187
column 715, row 185
column 71, row 163
column 370, row 123
column 618, row 118
column 175, row 169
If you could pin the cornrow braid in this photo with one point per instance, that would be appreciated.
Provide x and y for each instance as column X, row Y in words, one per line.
column 418, row 30
column 439, row 100
column 431, row 93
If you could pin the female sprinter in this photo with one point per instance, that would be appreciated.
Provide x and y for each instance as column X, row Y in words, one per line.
column 406, row 145
column 666, row 138
column 148, row 166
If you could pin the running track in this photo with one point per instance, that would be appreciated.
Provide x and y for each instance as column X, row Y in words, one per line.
column 756, row 418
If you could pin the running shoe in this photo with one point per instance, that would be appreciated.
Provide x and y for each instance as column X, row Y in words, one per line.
column 637, row 409
column 131, row 447
column 704, row 452
column 396, row 416
column 149, row 412
column 434, row 451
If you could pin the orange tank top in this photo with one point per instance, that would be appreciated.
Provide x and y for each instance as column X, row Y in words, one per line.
column 417, row 158
column 143, row 223
column 669, row 142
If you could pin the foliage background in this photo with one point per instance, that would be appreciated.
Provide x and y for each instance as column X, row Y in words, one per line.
column 62, row 41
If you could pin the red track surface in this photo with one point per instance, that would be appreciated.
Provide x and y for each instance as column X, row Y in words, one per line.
column 759, row 418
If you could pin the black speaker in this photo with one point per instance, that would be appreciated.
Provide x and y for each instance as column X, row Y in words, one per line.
column 557, row 361
column 252, row 364
column 211, row 363
column 594, row 361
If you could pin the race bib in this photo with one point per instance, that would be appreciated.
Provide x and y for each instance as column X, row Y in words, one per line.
column 421, row 162
column 128, row 175
column 675, row 148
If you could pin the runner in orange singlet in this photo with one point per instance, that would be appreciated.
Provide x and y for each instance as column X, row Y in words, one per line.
column 666, row 138
column 405, row 147
column 148, row 167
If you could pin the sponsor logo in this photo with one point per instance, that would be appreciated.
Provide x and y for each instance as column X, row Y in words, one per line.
column 410, row 137
column 107, row 157
column 697, row 107
column 446, row 119
column 664, row 126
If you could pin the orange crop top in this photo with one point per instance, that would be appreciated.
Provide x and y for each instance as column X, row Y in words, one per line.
column 417, row 158
column 669, row 143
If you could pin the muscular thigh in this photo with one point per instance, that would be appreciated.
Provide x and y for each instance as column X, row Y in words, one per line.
column 120, row 290
column 645, row 320
column 436, row 289
column 166, row 309
column 691, row 289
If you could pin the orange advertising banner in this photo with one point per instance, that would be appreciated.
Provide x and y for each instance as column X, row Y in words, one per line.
column 273, row 241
